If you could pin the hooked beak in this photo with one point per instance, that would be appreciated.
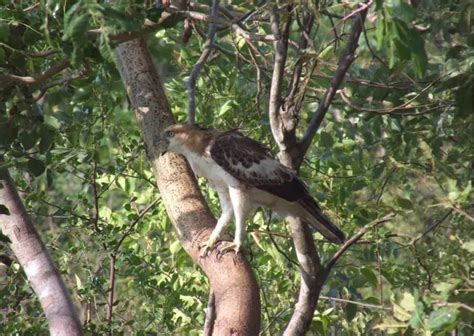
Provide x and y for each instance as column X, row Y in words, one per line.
column 162, row 145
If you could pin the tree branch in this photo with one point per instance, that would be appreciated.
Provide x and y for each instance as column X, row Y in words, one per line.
column 343, row 66
column 210, row 315
column 9, row 79
column 191, row 82
column 362, row 304
column 223, row 22
column 110, row 298
column 280, row 48
column 355, row 238
column 40, row 270
column 236, row 291
column 148, row 28
column 313, row 275
column 432, row 227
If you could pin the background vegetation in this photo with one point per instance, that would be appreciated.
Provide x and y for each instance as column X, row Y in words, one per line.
column 397, row 138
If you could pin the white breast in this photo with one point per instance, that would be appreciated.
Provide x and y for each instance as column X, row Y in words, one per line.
column 205, row 166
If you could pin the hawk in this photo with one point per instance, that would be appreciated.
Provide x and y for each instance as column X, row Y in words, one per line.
column 245, row 175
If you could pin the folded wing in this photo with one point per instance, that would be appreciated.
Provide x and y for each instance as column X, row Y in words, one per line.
column 253, row 164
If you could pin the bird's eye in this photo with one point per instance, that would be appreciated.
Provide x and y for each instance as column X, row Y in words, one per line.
column 169, row 134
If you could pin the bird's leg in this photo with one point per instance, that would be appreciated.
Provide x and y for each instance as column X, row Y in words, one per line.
column 222, row 222
column 241, row 208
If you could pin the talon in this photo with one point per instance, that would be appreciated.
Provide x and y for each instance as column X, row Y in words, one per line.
column 208, row 247
column 230, row 246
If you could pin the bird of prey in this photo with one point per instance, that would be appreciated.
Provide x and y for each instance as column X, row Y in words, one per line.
column 245, row 175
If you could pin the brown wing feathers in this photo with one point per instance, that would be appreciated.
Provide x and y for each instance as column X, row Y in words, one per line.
column 252, row 163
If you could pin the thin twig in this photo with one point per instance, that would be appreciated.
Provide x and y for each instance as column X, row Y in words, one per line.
column 32, row 54
column 356, row 237
column 392, row 109
column 432, row 227
column 8, row 79
column 223, row 22
column 110, row 299
column 384, row 184
column 148, row 28
column 362, row 7
column 132, row 224
column 95, row 194
column 379, row 270
column 362, row 304
column 343, row 66
column 462, row 212
column 191, row 82
column 420, row 261
column 210, row 314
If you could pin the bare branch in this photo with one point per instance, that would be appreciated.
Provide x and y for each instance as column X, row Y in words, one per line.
column 362, row 7
column 355, row 238
column 362, row 304
column 8, row 79
column 31, row 253
column 134, row 223
column 148, row 28
column 405, row 105
column 110, row 298
column 191, row 82
column 96, row 215
column 280, row 47
column 223, row 22
column 313, row 276
column 210, row 315
column 344, row 63
column 32, row 54
column 432, row 227
column 464, row 213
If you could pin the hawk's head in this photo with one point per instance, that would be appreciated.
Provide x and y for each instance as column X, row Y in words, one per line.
column 182, row 138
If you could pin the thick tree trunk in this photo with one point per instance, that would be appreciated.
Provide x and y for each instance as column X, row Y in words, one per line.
column 236, row 291
column 36, row 262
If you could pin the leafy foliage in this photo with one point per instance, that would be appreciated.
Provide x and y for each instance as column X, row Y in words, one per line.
column 398, row 138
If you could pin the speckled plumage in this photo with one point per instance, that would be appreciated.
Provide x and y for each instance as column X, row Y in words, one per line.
column 245, row 175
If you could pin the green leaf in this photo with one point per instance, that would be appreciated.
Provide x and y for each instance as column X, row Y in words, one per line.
column 77, row 27
column 446, row 288
column 8, row 132
column 418, row 315
column 4, row 210
column 369, row 275
column 2, row 55
column 4, row 31
column 404, row 203
column 468, row 246
column 52, row 121
column 36, row 167
column 326, row 140
column 380, row 32
column 442, row 318
column 351, row 311
column 4, row 238
column 154, row 14
column 28, row 139
column 408, row 302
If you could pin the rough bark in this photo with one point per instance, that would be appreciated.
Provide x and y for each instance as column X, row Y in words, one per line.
column 39, row 268
column 236, row 292
column 283, row 121
column 312, row 275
